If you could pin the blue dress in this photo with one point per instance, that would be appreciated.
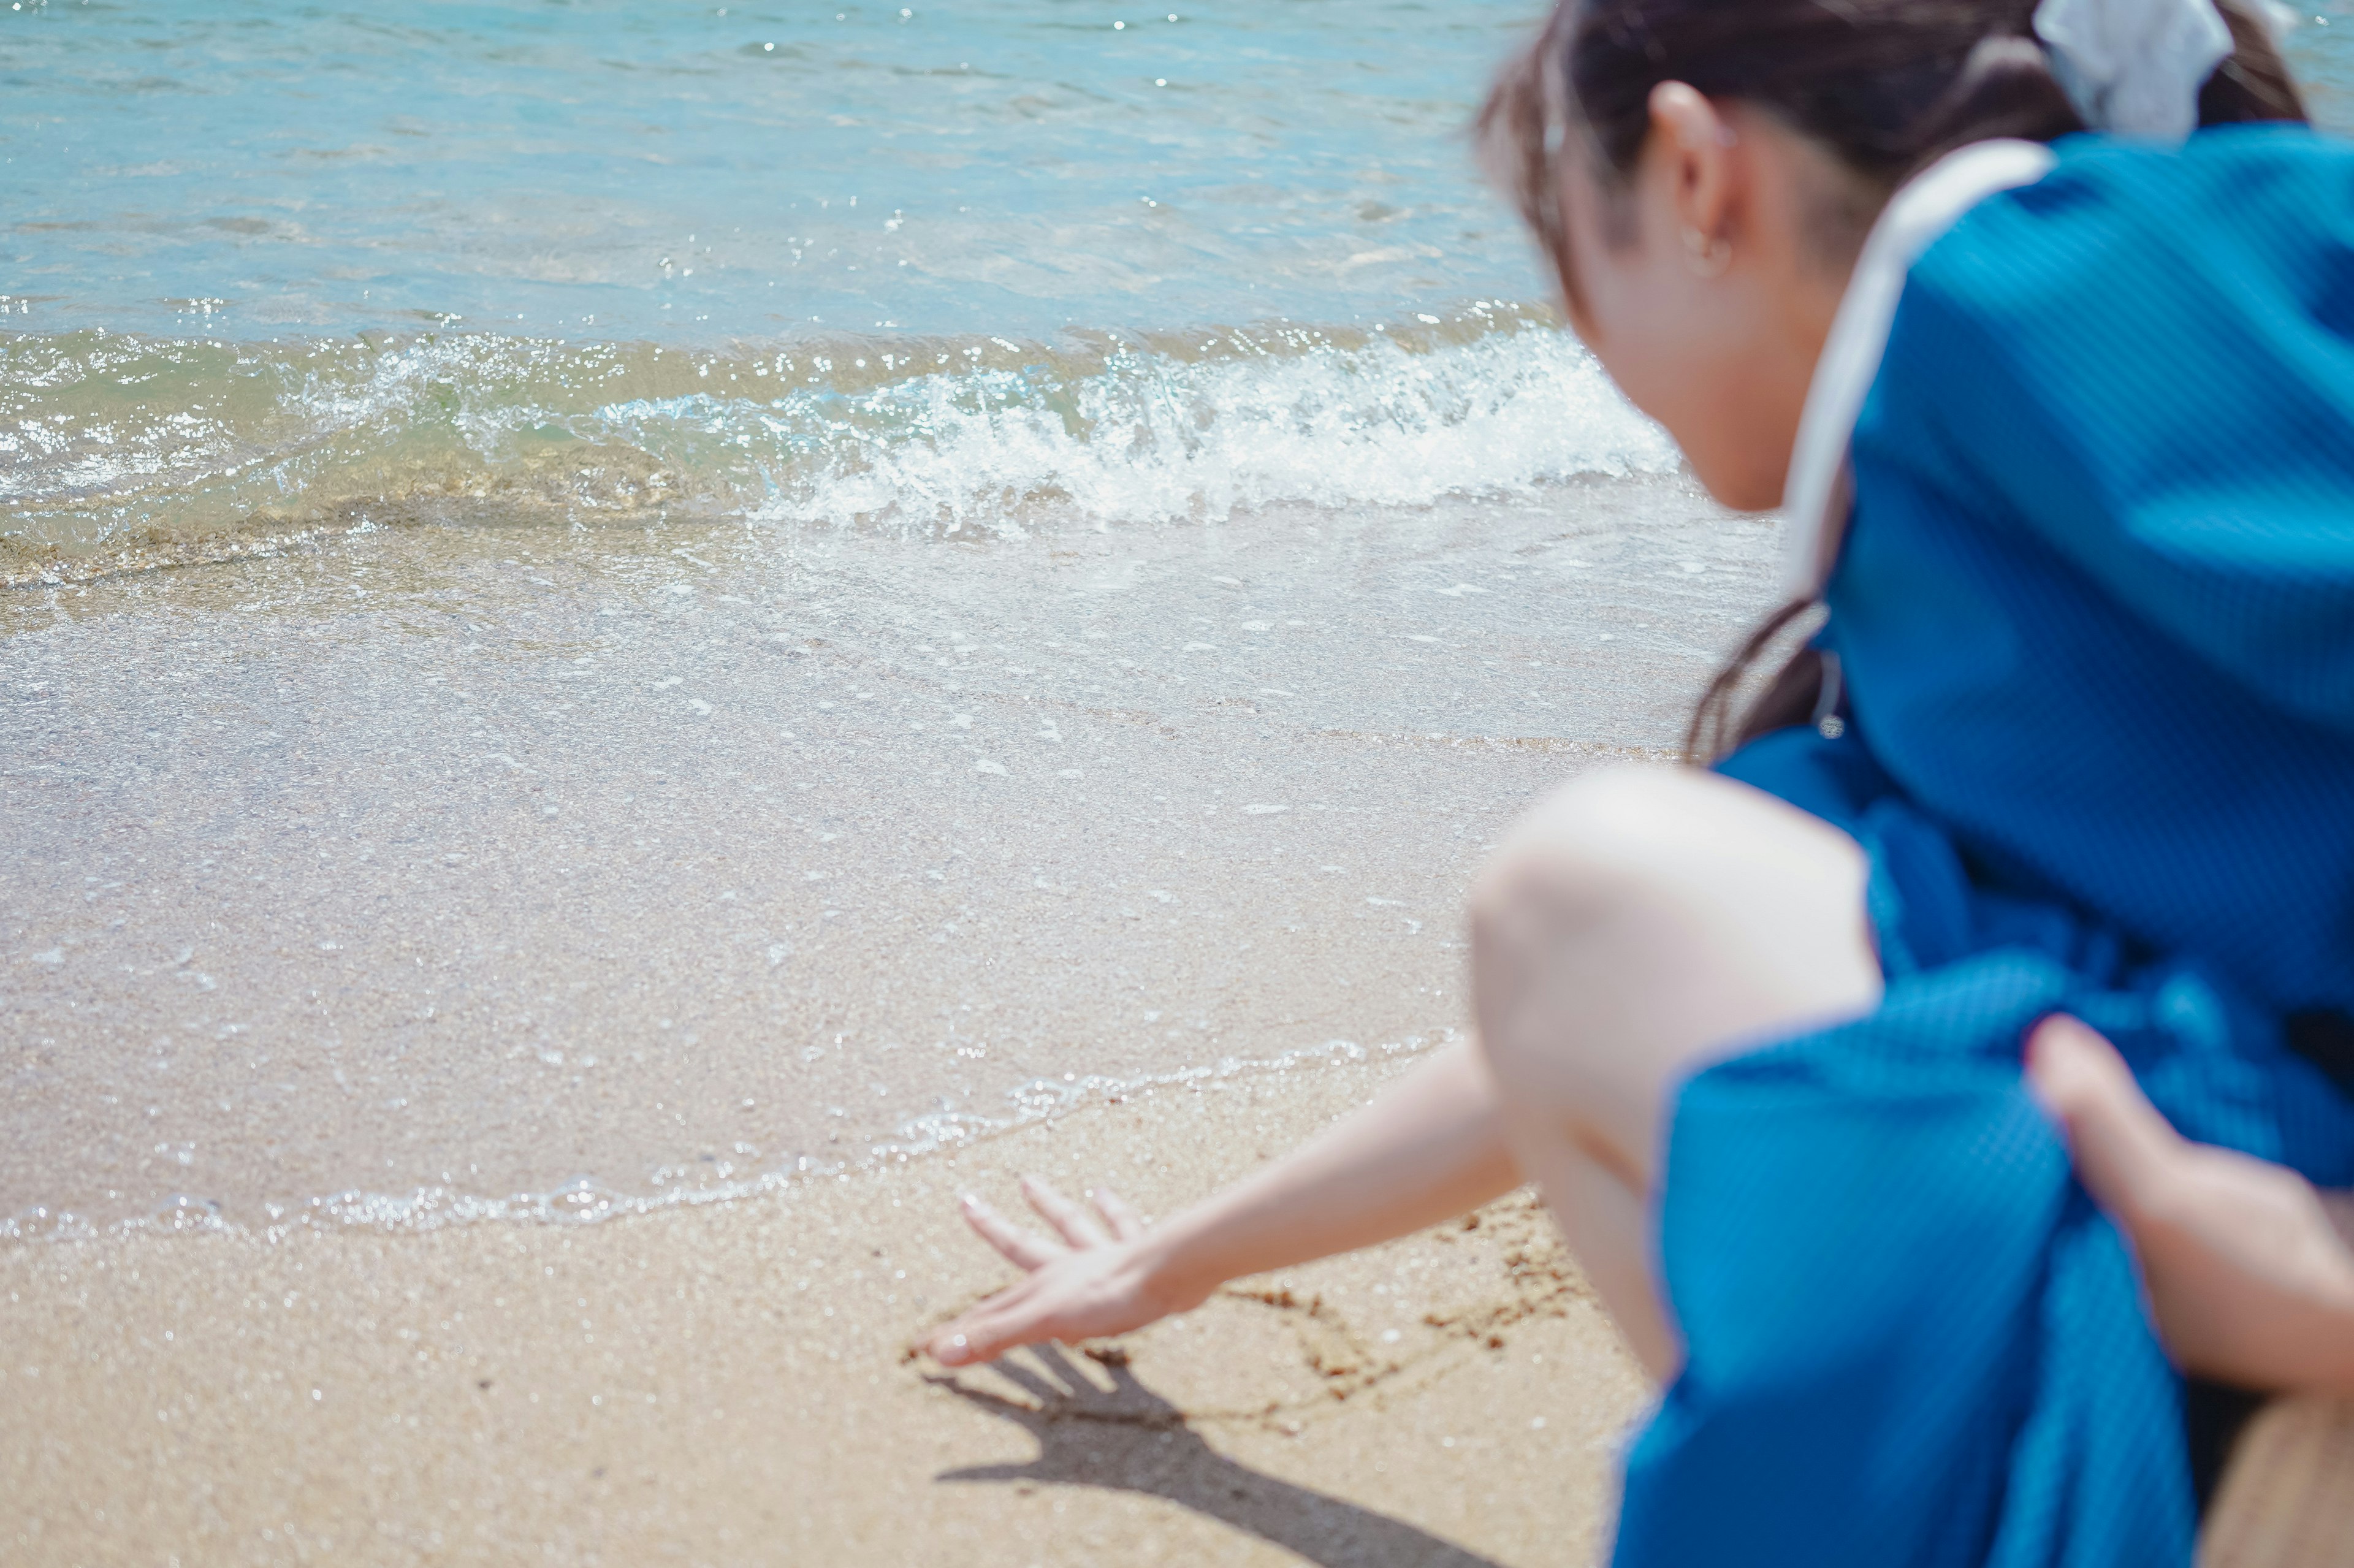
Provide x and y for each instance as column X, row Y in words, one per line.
column 2094, row 612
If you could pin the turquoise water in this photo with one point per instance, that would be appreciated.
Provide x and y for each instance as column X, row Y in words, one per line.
column 949, row 267
column 708, row 174
column 960, row 266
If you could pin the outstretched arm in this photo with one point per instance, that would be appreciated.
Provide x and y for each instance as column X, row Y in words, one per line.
column 1430, row 1147
column 2249, row 1270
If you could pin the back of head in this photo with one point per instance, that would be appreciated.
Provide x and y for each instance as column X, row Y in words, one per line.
column 1884, row 86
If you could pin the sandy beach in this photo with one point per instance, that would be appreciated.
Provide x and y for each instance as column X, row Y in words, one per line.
column 495, row 1039
column 732, row 1384
column 638, row 644
column 496, row 1024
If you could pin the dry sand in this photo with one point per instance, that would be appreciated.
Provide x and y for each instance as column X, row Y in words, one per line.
column 732, row 1384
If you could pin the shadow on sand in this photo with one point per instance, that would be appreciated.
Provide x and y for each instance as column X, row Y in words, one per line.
column 1131, row 1440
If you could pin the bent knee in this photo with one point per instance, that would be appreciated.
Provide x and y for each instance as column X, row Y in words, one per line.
column 1650, row 832
column 1705, row 862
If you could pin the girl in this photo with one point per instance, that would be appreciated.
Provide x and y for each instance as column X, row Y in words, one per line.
column 2063, row 427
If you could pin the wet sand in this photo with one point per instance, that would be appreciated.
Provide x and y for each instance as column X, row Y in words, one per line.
column 544, row 869
column 495, row 1022
column 732, row 1384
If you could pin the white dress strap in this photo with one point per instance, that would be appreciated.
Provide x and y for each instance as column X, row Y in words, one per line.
column 1815, row 495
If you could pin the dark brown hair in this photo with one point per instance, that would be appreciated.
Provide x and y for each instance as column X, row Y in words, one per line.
column 1885, row 86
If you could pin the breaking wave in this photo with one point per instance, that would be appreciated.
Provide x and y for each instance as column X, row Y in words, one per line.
column 117, row 450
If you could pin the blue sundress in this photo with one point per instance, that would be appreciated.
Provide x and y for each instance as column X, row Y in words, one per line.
column 2089, row 568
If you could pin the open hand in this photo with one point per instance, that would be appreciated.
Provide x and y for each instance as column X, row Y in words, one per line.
column 1104, row 1276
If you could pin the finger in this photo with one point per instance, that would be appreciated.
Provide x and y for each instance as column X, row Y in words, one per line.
column 1125, row 1222
column 955, row 1343
column 2123, row 1149
column 1069, row 1220
column 961, row 1340
column 985, row 1334
column 1018, row 1246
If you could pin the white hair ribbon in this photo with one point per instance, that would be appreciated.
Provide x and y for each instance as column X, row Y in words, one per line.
column 2133, row 67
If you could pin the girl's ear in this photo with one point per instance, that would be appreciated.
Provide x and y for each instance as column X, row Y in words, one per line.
column 1694, row 147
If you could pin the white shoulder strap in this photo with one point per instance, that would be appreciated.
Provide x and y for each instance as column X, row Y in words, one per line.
column 1815, row 495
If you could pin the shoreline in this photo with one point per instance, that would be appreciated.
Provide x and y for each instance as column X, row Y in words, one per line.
column 587, row 1202
column 490, row 1391
column 491, row 863
column 488, row 863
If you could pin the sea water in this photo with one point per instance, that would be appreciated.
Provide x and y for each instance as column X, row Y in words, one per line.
column 939, row 267
column 612, row 603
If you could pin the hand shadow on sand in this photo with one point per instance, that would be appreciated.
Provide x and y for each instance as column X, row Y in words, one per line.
column 1133, row 1440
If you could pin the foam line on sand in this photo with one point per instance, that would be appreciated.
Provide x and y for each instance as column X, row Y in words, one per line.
column 734, row 1383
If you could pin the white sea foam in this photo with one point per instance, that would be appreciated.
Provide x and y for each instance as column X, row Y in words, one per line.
column 1150, row 438
column 586, row 1200
column 122, row 442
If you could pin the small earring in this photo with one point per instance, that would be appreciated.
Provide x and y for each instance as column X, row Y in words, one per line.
column 1708, row 258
